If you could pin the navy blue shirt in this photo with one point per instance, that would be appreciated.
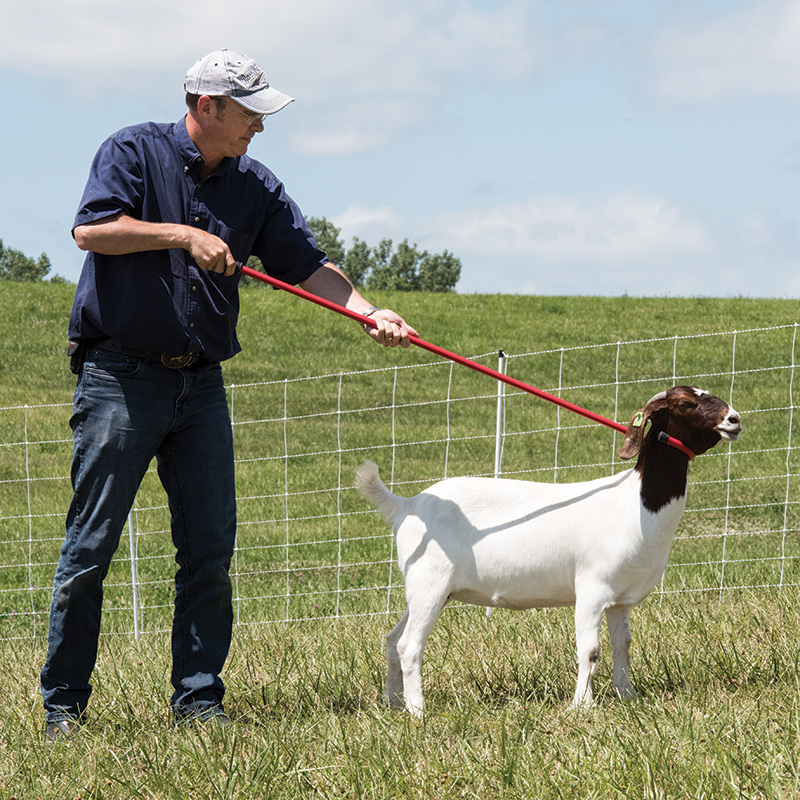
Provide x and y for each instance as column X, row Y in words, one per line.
column 160, row 300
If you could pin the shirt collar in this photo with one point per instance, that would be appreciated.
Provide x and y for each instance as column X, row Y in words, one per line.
column 190, row 155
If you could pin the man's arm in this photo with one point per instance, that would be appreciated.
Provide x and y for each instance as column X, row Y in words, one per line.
column 121, row 234
column 332, row 284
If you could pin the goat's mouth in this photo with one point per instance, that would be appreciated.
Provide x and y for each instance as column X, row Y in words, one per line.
column 730, row 433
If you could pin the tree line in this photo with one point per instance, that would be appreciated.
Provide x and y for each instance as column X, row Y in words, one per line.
column 16, row 266
column 404, row 268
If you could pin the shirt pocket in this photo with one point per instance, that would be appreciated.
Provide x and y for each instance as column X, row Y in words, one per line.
column 240, row 244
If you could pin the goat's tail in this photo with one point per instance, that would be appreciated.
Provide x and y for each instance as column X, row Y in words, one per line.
column 369, row 483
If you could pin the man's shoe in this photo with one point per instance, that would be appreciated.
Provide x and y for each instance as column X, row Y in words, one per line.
column 212, row 715
column 61, row 730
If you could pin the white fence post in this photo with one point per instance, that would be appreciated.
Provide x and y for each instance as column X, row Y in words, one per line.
column 134, row 578
column 500, row 425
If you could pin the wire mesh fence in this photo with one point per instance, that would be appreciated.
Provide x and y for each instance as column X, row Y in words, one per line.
column 309, row 547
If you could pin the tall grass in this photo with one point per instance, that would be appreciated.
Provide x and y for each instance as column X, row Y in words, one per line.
column 717, row 714
column 716, row 676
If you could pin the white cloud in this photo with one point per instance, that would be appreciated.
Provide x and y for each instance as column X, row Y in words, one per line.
column 394, row 65
column 335, row 140
column 368, row 224
column 624, row 227
column 752, row 50
column 553, row 245
column 627, row 242
column 363, row 71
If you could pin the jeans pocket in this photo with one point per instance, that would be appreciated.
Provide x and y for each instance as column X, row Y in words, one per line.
column 103, row 362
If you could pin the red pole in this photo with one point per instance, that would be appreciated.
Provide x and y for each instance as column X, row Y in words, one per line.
column 440, row 351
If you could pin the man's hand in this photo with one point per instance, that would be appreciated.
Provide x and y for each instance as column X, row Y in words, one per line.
column 392, row 329
column 332, row 284
column 210, row 252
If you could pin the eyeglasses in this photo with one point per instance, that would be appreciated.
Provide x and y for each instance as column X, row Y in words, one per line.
column 252, row 119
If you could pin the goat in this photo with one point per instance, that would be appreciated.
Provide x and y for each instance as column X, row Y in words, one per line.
column 600, row 545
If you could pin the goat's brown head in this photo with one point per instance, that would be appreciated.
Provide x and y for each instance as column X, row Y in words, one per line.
column 698, row 419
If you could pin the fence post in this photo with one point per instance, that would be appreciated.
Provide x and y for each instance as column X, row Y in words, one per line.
column 499, row 426
column 134, row 578
column 30, row 522
column 786, row 499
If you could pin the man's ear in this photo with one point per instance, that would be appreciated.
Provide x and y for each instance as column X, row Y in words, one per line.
column 205, row 106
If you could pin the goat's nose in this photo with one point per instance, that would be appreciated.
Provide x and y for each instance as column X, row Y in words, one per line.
column 734, row 420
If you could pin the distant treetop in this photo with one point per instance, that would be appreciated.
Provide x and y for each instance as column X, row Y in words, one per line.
column 404, row 269
column 16, row 266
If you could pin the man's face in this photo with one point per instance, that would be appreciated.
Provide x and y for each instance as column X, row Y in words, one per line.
column 234, row 127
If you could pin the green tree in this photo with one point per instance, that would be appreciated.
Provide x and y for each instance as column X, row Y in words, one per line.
column 395, row 270
column 16, row 266
column 328, row 239
column 438, row 272
column 409, row 270
column 404, row 269
column 358, row 262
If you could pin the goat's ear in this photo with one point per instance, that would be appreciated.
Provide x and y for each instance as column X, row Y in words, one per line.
column 634, row 435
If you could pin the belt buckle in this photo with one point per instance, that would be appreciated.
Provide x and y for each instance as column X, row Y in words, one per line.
column 177, row 362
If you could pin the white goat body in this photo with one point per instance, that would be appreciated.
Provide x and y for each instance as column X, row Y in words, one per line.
column 518, row 544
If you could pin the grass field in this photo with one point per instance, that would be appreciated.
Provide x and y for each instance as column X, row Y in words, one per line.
column 717, row 714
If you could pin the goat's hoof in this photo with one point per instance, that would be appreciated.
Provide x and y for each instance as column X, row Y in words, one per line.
column 416, row 710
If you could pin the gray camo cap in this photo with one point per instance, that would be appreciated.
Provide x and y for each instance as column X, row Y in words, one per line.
column 232, row 74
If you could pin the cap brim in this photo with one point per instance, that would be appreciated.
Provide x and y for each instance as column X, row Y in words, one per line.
column 265, row 101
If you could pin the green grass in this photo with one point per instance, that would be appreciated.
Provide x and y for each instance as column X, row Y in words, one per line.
column 716, row 672
column 717, row 714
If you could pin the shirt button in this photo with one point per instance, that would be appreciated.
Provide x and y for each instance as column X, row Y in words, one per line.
column 194, row 288
column 197, row 219
column 191, row 324
column 186, row 169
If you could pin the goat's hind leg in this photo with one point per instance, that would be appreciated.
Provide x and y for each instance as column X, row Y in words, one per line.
column 394, row 672
column 619, row 632
column 421, row 617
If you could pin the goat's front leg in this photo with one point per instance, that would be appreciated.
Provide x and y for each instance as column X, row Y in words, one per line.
column 619, row 632
column 588, row 616
column 394, row 672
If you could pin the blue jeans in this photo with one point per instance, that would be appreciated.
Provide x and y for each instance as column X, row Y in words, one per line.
column 125, row 412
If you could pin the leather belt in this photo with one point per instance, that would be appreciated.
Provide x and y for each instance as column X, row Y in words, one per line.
column 173, row 362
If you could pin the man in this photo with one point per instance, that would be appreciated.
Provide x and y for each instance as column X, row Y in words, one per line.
column 168, row 212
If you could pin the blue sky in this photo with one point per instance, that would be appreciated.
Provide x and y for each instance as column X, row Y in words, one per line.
column 561, row 147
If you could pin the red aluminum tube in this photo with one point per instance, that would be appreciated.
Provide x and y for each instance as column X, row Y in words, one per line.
column 440, row 351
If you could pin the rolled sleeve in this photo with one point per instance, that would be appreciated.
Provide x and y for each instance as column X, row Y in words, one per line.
column 115, row 184
column 285, row 245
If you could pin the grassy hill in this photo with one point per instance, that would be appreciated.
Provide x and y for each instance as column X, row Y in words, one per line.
column 284, row 336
